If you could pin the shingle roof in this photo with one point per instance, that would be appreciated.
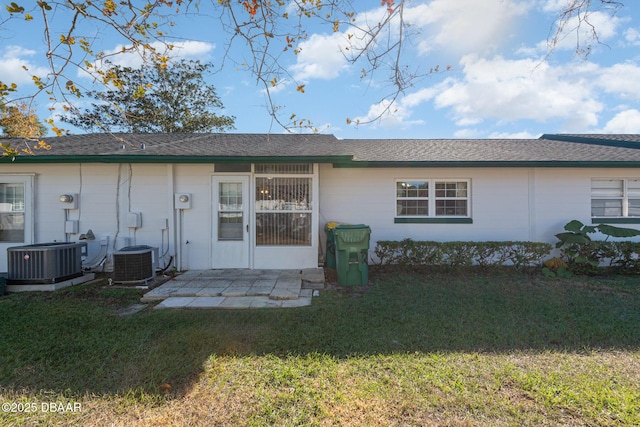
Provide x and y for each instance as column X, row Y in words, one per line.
column 550, row 150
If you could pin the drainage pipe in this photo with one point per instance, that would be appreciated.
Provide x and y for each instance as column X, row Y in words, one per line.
column 175, row 237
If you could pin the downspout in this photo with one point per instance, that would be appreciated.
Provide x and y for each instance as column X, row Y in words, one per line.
column 172, row 220
column 532, row 204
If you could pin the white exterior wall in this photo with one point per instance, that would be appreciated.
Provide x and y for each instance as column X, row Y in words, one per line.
column 107, row 193
column 526, row 204
column 195, row 225
column 506, row 204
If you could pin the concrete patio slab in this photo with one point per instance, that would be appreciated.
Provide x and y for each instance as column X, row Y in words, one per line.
column 159, row 293
column 306, row 293
column 265, row 303
column 259, row 292
column 264, row 282
column 284, row 294
column 210, row 292
column 238, row 302
column 176, row 302
column 238, row 289
column 295, row 303
column 186, row 276
column 206, row 302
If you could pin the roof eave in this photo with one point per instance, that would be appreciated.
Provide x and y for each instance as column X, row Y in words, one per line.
column 338, row 161
column 156, row 159
column 591, row 140
column 491, row 164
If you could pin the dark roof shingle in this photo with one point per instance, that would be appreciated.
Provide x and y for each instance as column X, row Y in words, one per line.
column 549, row 150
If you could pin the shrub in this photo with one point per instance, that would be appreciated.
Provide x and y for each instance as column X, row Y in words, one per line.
column 459, row 254
column 586, row 256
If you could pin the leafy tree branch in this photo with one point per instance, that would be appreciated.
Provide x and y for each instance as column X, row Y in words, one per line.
column 269, row 31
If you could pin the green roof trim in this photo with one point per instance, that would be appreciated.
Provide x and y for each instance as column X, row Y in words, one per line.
column 491, row 164
column 592, row 140
column 153, row 159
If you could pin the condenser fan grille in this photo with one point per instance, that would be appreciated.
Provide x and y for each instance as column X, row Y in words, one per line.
column 133, row 264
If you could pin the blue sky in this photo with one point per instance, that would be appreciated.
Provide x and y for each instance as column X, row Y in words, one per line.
column 495, row 77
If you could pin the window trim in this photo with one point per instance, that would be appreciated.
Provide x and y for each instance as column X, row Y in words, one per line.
column 432, row 218
column 622, row 219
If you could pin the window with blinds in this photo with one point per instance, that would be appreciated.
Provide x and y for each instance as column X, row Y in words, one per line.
column 283, row 206
column 615, row 198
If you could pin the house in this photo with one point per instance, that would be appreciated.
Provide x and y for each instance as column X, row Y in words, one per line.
column 261, row 201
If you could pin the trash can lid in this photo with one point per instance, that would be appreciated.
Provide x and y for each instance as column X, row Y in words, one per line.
column 352, row 226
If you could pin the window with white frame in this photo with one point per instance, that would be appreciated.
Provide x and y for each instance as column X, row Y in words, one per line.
column 615, row 198
column 432, row 198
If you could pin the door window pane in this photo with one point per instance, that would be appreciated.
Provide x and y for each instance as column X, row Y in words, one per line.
column 230, row 211
column 230, row 226
column 12, row 212
column 230, row 196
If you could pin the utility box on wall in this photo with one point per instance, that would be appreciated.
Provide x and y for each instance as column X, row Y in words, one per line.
column 182, row 201
column 134, row 220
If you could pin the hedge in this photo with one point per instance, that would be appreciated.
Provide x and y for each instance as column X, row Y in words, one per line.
column 460, row 254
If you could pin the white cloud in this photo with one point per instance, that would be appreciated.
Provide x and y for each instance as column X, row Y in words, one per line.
column 463, row 26
column 182, row 50
column 513, row 135
column 580, row 33
column 600, row 25
column 13, row 63
column 617, row 80
column 454, row 27
column 632, row 35
column 627, row 121
column 501, row 91
column 320, row 57
column 466, row 133
column 388, row 114
column 280, row 86
column 555, row 6
column 192, row 48
column 511, row 90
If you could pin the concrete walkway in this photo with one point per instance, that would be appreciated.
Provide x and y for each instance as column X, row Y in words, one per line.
column 235, row 289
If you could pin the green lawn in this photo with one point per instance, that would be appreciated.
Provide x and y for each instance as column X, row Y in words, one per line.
column 415, row 348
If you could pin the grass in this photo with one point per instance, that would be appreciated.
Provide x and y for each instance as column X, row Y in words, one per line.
column 415, row 348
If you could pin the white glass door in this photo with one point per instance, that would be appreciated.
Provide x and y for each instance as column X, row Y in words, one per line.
column 230, row 222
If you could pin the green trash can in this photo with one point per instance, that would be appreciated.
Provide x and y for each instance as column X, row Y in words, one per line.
column 330, row 257
column 352, row 253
